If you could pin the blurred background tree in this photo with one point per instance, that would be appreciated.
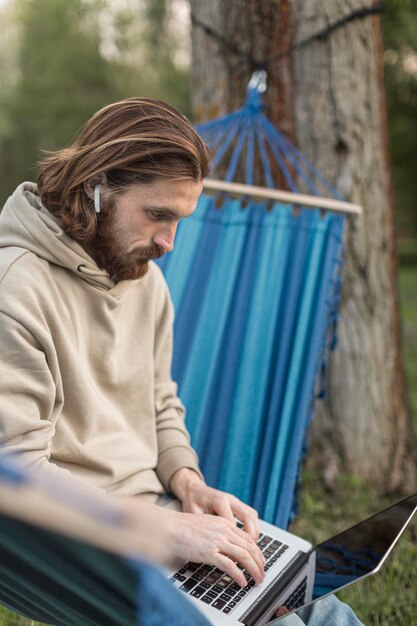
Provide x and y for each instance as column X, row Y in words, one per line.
column 61, row 78
column 62, row 61
column 399, row 23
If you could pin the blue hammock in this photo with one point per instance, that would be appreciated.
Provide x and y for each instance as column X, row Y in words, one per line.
column 256, row 294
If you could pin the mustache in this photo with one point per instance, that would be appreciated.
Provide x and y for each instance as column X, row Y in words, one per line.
column 148, row 253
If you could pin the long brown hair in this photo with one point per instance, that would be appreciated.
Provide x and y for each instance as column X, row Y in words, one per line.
column 137, row 140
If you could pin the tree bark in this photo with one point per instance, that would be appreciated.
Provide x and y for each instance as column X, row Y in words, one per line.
column 328, row 98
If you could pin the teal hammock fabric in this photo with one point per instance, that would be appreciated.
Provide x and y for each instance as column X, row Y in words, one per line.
column 256, row 293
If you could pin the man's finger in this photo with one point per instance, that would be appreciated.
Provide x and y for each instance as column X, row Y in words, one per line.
column 194, row 508
column 244, row 541
column 221, row 506
column 248, row 516
column 281, row 611
column 246, row 559
column 231, row 569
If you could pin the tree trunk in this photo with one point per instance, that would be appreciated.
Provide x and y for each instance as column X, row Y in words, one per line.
column 328, row 98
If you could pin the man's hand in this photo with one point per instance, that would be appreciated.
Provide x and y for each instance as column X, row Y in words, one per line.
column 197, row 497
column 216, row 541
column 281, row 611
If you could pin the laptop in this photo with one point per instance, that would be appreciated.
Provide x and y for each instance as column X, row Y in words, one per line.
column 297, row 573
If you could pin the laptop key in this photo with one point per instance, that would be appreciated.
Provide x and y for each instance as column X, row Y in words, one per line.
column 218, row 604
column 232, row 604
column 226, row 609
column 205, row 584
column 225, row 597
column 189, row 584
column 180, row 577
column 197, row 592
column 231, row 591
column 217, row 589
column 212, row 594
column 210, row 579
column 206, row 599
column 190, row 567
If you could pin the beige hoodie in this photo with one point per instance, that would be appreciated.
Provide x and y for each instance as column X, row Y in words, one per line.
column 85, row 384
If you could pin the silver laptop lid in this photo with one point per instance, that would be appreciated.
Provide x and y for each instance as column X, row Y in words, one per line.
column 359, row 551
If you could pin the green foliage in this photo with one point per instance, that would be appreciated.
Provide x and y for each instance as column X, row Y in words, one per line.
column 400, row 42
column 165, row 78
column 64, row 76
column 63, row 79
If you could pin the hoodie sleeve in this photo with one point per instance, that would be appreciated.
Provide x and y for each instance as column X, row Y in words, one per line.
column 28, row 402
column 174, row 449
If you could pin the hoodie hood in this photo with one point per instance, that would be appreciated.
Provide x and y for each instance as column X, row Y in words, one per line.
column 26, row 223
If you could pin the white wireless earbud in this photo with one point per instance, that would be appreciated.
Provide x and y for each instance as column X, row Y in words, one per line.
column 97, row 198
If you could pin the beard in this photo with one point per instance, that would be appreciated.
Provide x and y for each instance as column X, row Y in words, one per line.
column 109, row 250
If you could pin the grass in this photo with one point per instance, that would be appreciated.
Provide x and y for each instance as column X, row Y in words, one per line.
column 7, row 618
column 390, row 597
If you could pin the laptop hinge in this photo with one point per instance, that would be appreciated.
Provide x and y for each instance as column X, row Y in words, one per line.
column 269, row 595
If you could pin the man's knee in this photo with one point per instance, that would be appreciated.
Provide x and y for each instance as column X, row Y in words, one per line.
column 328, row 611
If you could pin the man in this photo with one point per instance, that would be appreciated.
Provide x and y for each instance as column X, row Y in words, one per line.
column 86, row 326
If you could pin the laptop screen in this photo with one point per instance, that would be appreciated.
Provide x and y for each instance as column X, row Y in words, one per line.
column 360, row 550
column 355, row 553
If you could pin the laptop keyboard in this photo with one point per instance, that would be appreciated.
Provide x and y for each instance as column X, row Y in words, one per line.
column 216, row 588
column 297, row 598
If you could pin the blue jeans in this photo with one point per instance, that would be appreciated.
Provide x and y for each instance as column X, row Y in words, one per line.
column 328, row 611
